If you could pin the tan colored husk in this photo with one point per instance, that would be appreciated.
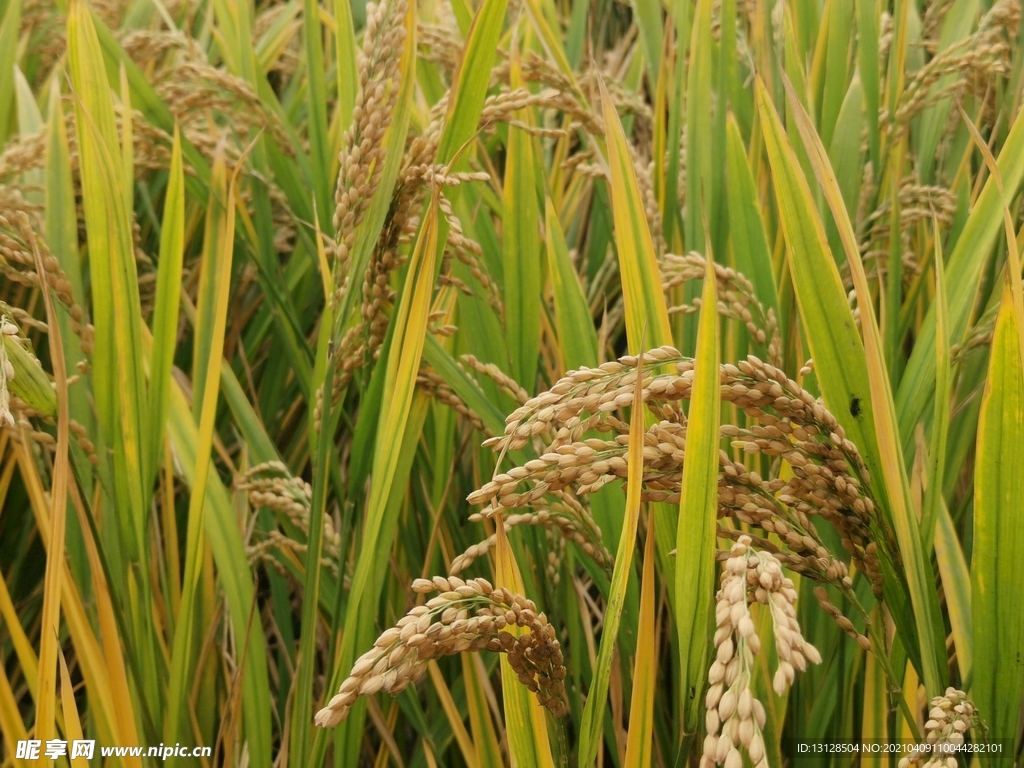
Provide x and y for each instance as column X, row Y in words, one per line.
column 786, row 423
column 734, row 717
column 362, row 154
column 17, row 263
column 272, row 486
column 466, row 616
column 977, row 60
column 737, row 299
column 7, row 328
column 561, row 512
column 950, row 718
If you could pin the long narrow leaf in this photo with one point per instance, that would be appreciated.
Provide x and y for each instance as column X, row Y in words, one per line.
column 886, row 453
column 997, row 590
column 594, row 711
column 639, row 743
column 697, row 530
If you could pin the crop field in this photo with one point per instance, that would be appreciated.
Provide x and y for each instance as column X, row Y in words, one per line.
column 512, row 383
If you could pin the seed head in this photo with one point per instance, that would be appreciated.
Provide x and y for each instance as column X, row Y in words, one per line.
column 465, row 616
column 734, row 717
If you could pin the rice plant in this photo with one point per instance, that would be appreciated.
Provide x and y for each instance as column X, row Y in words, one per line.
column 512, row 383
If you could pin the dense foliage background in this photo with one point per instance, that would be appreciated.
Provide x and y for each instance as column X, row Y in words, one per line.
column 274, row 275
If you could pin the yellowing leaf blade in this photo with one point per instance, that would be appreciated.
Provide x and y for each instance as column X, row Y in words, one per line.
column 593, row 712
column 997, row 589
column 646, row 312
column 640, row 740
column 696, row 531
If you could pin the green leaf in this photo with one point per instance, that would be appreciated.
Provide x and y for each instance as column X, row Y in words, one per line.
column 867, row 66
column 528, row 743
column 956, row 585
column 997, row 591
column 966, row 262
column 576, row 335
column 652, row 32
column 699, row 171
column 597, row 698
column 471, row 80
column 751, row 253
column 646, row 312
column 403, row 362
column 316, row 103
column 640, row 739
column 233, row 572
column 345, row 66
column 696, row 532
column 215, row 285
column 932, row 506
column 165, row 311
column 521, row 247
column 62, row 239
column 10, row 26
column 836, row 74
column 847, row 374
column 118, row 382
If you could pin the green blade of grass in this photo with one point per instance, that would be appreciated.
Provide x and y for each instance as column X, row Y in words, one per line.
column 671, row 209
column 592, row 724
column 460, row 382
column 118, row 377
column 345, row 61
column 836, row 78
column 846, row 158
column 883, row 452
column 576, row 334
column 956, row 584
column 646, row 313
column 56, row 568
column 652, row 33
column 997, row 590
column 62, row 238
column 73, row 724
column 956, row 25
column 750, row 249
column 314, row 551
column 488, row 750
column 165, row 312
column 699, row 171
column 696, row 532
column 639, row 741
column 10, row 27
column 840, row 362
column 528, row 743
column 403, row 364
column 839, row 359
column 235, row 577
column 316, row 104
column 867, row 66
column 127, row 136
column 521, row 246
column 471, row 79
column 931, row 508
column 642, row 293
column 966, row 262
column 30, row 121
column 210, row 325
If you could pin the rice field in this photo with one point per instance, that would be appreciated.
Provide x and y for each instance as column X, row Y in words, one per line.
column 527, row 383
